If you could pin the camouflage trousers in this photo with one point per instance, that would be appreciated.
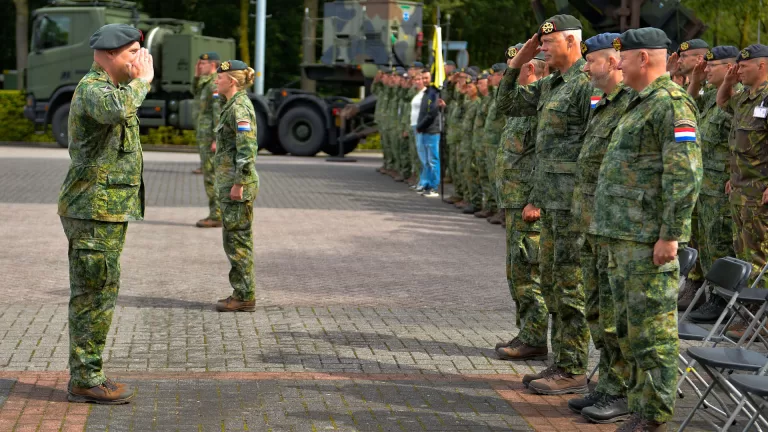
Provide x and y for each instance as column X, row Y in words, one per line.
column 470, row 175
column 751, row 239
column 94, row 281
column 489, row 181
column 561, row 285
column 523, row 278
column 601, row 315
column 696, row 273
column 209, row 180
column 645, row 299
column 414, row 152
column 445, row 159
column 237, row 221
column 401, row 153
column 386, row 147
column 715, row 229
column 454, row 143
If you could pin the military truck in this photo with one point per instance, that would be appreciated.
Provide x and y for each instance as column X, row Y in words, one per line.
column 60, row 57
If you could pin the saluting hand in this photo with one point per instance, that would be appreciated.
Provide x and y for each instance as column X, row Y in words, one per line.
column 673, row 64
column 664, row 251
column 143, row 66
column 526, row 53
column 698, row 74
column 732, row 76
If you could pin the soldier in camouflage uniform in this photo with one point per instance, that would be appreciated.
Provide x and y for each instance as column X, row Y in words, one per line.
column 476, row 168
column 205, row 92
column 466, row 165
column 103, row 190
column 494, row 124
column 454, row 117
column 379, row 88
column 608, row 401
column 748, row 185
column 448, row 95
column 403, row 130
column 562, row 101
column 237, row 182
column 515, row 162
column 646, row 190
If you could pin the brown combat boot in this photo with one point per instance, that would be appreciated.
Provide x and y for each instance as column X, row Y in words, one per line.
column 528, row 378
column 399, row 178
column 231, row 304
column 208, row 223
column 506, row 344
column 460, row 204
column 558, row 383
column 522, row 351
column 483, row 214
column 453, row 199
column 197, row 171
column 638, row 424
column 107, row 393
column 498, row 218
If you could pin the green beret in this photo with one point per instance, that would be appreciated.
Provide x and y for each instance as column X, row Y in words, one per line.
column 231, row 65
column 692, row 44
column 450, row 63
column 210, row 56
column 512, row 51
column 642, row 38
column 499, row 67
column 559, row 23
column 113, row 36
column 753, row 51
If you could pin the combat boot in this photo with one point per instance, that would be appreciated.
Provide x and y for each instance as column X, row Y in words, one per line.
column 635, row 423
column 208, row 223
column 498, row 218
column 231, row 304
column 399, row 178
column 528, row 378
column 460, row 204
column 469, row 209
column 578, row 404
column 453, row 199
column 559, row 382
column 685, row 297
column 197, row 171
column 710, row 311
column 447, row 180
column 522, row 351
column 483, row 214
column 506, row 344
column 107, row 393
column 611, row 409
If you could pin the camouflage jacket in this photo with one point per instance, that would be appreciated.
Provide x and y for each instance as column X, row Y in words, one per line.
column 478, row 131
column 455, row 117
column 651, row 173
column 104, row 181
column 714, row 129
column 515, row 161
column 209, row 108
column 236, row 147
column 494, row 122
column 603, row 120
column 561, row 102
column 378, row 90
column 405, row 110
column 468, row 127
column 749, row 146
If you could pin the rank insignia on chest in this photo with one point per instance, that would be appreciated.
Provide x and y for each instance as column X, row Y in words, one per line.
column 593, row 101
column 685, row 134
column 243, row 126
column 215, row 95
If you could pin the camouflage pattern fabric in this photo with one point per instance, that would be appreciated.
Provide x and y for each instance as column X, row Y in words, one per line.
column 749, row 175
column 104, row 181
column 467, row 165
column 235, row 162
column 94, row 282
column 384, row 126
column 515, row 161
column 645, row 301
column 454, row 137
column 715, row 221
column 207, row 119
column 523, row 278
column 448, row 96
column 404, row 126
column 647, row 187
column 562, row 103
column 480, row 166
column 494, row 124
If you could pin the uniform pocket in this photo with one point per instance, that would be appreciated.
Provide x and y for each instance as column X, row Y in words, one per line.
column 89, row 272
column 131, row 139
column 237, row 216
column 626, row 200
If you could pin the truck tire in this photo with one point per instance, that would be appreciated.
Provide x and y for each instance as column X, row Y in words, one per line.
column 59, row 125
column 349, row 146
column 301, row 131
column 263, row 136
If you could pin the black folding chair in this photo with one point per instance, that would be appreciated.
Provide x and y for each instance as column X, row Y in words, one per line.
column 755, row 390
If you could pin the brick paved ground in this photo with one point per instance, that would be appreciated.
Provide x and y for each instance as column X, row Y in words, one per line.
column 377, row 310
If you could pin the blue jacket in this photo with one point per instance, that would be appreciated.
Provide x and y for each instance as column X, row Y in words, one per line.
column 430, row 118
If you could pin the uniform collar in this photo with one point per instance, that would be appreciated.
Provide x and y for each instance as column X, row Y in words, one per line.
column 616, row 91
column 234, row 98
column 101, row 73
column 752, row 94
column 573, row 71
column 658, row 83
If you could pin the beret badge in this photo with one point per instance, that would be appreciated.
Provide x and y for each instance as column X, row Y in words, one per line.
column 684, row 46
column 709, row 56
column 547, row 27
column 225, row 66
column 205, row 57
column 617, row 44
column 511, row 52
column 584, row 48
column 744, row 54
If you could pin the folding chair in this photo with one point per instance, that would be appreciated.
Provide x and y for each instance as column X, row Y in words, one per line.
column 686, row 258
column 751, row 385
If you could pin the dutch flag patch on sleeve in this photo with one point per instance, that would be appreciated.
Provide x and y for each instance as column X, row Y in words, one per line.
column 593, row 101
column 215, row 95
column 683, row 134
column 243, row 126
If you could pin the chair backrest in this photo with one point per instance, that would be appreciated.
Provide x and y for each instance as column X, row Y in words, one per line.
column 687, row 258
column 729, row 273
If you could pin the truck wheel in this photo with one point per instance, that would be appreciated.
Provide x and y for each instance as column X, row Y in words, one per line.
column 59, row 125
column 262, row 131
column 302, row 132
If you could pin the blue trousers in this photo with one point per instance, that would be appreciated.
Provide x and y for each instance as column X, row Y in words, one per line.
column 431, row 173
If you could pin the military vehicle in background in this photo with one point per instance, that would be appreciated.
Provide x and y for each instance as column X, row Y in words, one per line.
column 678, row 22
column 60, row 57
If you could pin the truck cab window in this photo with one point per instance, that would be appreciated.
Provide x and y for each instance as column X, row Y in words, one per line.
column 51, row 32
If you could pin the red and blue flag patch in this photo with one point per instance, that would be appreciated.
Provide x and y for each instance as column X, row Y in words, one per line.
column 593, row 101
column 243, row 126
column 683, row 134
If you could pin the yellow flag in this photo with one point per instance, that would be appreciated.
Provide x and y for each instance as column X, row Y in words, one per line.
column 438, row 66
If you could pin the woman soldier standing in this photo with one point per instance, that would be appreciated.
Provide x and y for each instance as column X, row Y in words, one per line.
column 237, row 182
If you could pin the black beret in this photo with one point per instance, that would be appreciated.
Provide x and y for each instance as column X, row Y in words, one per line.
column 598, row 43
column 559, row 23
column 400, row 71
column 474, row 68
column 232, row 65
column 471, row 74
column 499, row 67
column 210, row 56
column 753, row 51
column 721, row 53
column 417, row 64
column 692, row 44
column 113, row 36
column 642, row 38
column 512, row 51
column 450, row 63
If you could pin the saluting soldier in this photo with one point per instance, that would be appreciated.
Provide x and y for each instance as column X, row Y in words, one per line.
column 607, row 403
column 237, row 182
column 478, row 170
column 748, row 186
column 646, row 190
column 562, row 102
column 208, row 112
column 493, row 127
column 472, row 198
column 103, row 190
